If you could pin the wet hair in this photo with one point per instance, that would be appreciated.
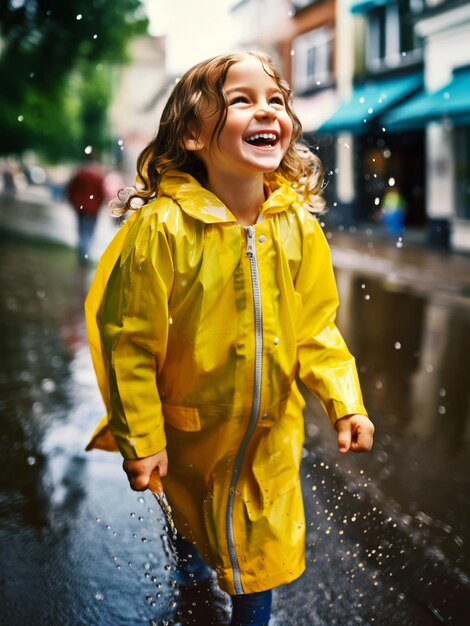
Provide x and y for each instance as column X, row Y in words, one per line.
column 200, row 89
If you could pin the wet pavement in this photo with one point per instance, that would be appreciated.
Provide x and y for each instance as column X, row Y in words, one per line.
column 388, row 537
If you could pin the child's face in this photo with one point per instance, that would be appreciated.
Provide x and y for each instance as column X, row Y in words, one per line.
column 258, row 128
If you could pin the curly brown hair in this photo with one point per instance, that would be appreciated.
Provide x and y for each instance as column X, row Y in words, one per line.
column 201, row 87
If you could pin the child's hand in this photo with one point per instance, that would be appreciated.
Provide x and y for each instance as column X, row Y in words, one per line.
column 355, row 433
column 138, row 470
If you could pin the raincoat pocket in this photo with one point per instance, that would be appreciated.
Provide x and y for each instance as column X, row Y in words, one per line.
column 182, row 417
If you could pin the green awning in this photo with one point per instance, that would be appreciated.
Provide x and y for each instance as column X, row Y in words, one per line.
column 451, row 101
column 363, row 6
column 370, row 100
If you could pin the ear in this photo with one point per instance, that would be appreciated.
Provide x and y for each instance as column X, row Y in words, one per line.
column 192, row 145
column 191, row 142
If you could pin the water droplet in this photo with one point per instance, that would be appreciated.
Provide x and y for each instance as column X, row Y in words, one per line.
column 31, row 460
column 397, row 345
column 144, row 539
column 99, row 596
column 141, row 500
column 48, row 385
column 79, row 17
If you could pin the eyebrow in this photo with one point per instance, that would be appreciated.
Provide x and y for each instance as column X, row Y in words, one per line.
column 251, row 90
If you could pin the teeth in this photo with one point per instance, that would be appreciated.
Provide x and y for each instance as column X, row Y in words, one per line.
column 267, row 136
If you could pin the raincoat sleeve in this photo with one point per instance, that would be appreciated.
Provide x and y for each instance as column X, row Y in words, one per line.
column 325, row 364
column 132, row 323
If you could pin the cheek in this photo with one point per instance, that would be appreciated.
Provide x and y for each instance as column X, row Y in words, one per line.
column 287, row 132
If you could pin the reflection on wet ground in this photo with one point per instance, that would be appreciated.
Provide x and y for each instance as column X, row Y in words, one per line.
column 388, row 540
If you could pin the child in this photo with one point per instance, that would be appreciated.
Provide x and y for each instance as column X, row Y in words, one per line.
column 213, row 296
column 392, row 211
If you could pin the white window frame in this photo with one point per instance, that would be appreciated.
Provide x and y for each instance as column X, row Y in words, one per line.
column 320, row 40
column 389, row 39
column 391, row 33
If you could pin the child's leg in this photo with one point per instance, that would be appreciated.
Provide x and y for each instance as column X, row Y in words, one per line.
column 252, row 609
column 200, row 600
column 191, row 568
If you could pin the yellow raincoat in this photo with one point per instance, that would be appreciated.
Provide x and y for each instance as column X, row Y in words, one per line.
column 198, row 327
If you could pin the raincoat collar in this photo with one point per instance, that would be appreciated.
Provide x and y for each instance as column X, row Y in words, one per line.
column 202, row 204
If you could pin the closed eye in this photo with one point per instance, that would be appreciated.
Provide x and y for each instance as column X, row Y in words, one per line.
column 238, row 100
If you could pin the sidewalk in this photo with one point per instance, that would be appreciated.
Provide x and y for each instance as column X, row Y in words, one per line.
column 367, row 249
column 33, row 213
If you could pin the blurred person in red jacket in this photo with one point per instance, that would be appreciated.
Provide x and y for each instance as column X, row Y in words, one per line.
column 86, row 194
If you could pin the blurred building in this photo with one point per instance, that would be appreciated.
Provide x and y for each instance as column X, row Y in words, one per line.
column 134, row 116
column 382, row 89
column 442, row 111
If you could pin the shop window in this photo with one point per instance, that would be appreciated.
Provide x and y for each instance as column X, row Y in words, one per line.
column 462, row 171
column 313, row 59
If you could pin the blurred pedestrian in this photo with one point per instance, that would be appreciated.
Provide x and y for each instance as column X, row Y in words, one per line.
column 209, row 301
column 9, row 185
column 86, row 194
column 393, row 211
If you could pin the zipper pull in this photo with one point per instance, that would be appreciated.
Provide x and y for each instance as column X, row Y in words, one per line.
column 250, row 241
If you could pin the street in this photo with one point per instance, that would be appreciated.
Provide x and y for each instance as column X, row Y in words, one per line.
column 388, row 537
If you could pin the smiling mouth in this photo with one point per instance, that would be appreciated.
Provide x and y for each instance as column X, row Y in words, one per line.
column 262, row 139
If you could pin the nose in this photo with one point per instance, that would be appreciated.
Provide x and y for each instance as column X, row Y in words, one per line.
column 265, row 111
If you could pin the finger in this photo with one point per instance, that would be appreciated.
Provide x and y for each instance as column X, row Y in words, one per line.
column 163, row 468
column 344, row 438
column 139, row 482
column 363, row 441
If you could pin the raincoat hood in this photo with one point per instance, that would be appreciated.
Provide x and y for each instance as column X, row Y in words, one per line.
column 198, row 328
column 206, row 206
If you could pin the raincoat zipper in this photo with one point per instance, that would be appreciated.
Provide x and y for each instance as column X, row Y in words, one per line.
column 251, row 254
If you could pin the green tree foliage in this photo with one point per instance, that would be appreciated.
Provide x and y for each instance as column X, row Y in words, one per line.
column 56, row 62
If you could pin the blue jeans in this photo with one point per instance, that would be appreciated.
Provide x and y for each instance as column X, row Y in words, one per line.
column 249, row 609
column 86, row 229
column 191, row 569
column 252, row 609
